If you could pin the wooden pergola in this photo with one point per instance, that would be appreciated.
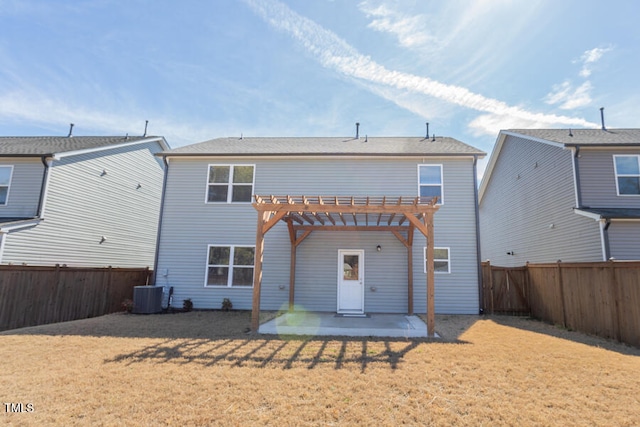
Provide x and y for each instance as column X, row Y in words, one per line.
column 305, row 214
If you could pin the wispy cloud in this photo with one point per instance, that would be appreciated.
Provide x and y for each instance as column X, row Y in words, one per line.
column 568, row 96
column 334, row 53
column 590, row 57
column 409, row 29
column 54, row 115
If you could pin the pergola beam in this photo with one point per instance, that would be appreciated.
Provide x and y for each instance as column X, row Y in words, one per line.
column 417, row 211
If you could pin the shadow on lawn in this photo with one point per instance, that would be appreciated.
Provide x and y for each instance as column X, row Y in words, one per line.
column 540, row 327
column 277, row 352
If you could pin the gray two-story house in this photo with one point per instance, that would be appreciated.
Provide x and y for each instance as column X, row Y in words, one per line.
column 339, row 233
column 83, row 201
column 561, row 194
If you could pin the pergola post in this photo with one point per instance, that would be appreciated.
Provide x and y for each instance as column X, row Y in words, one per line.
column 308, row 212
column 431, row 315
column 257, row 272
column 292, row 268
column 410, row 271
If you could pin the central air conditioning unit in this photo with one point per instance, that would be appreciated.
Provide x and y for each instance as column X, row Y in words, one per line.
column 147, row 299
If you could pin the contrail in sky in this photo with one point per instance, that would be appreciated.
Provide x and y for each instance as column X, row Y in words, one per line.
column 334, row 53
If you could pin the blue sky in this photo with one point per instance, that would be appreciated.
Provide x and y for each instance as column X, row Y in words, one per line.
column 204, row 69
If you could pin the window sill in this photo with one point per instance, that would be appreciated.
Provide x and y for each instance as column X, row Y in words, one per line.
column 227, row 287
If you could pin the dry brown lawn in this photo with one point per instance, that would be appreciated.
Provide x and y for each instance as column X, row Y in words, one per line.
column 202, row 368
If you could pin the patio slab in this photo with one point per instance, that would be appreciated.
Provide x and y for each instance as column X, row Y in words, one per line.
column 374, row 325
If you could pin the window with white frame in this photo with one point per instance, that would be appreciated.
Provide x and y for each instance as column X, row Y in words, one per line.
column 441, row 260
column 430, row 182
column 230, row 183
column 230, row 266
column 5, row 182
column 627, row 170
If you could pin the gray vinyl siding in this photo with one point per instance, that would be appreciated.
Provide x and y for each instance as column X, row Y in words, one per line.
column 190, row 224
column 83, row 204
column 531, row 188
column 624, row 240
column 598, row 179
column 24, row 191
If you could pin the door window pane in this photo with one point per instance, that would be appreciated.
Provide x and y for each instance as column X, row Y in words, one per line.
column 350, row 267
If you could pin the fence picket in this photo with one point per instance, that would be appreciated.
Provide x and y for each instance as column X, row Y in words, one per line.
column 34, row 295
column 600, row 298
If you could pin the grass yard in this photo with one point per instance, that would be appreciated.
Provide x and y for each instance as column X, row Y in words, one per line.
column 202, row 368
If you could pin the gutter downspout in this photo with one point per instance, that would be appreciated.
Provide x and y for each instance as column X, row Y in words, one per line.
column 162, row 197
column 576, row 175
column 604, row 234
column 477, row 212
column 3, row 238
column 46, row 161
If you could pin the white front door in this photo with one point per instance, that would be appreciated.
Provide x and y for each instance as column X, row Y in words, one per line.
column 350, row 281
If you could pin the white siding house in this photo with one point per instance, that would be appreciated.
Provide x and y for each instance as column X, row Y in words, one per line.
column 80, row 201
column 208, row 224
column 561, row 194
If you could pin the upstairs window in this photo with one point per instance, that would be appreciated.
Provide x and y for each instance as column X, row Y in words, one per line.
column 230, row 183
column 230, row 266
column 5, row 182
column 430, row 182
column 627, row 170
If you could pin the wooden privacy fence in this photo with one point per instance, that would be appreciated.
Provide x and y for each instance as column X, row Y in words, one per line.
column 32, row 295
column 601, row 298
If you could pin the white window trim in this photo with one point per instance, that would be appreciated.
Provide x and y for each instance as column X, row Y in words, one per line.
column 6, row 202
column 615, row 169
column 424, row 263
column 230, row 184
column 441, row 199
column 230, row 266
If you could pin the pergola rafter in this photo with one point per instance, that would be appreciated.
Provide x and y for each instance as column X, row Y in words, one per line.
column 305, row 214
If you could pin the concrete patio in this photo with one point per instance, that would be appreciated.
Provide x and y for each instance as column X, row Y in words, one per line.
column 371, row 325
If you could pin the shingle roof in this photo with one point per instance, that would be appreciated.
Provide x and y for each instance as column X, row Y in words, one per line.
column 327, row 146
column 593, row 137
column 47, row 145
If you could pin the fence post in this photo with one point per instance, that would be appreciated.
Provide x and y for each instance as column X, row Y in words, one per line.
column 616, row 298
column 561, row 288
column 490, row 283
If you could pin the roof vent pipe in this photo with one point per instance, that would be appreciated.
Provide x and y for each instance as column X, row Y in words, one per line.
column 146, row 123
column 70, row 130
column 427, row 137
column 434, row 137
column 357, row 130
column 602, row 117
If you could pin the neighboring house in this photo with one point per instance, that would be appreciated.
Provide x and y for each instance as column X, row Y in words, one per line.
column 339, row 260
column 84, row 201
column 561, row 194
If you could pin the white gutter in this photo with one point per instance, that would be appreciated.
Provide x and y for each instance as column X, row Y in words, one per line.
column 163, row 144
